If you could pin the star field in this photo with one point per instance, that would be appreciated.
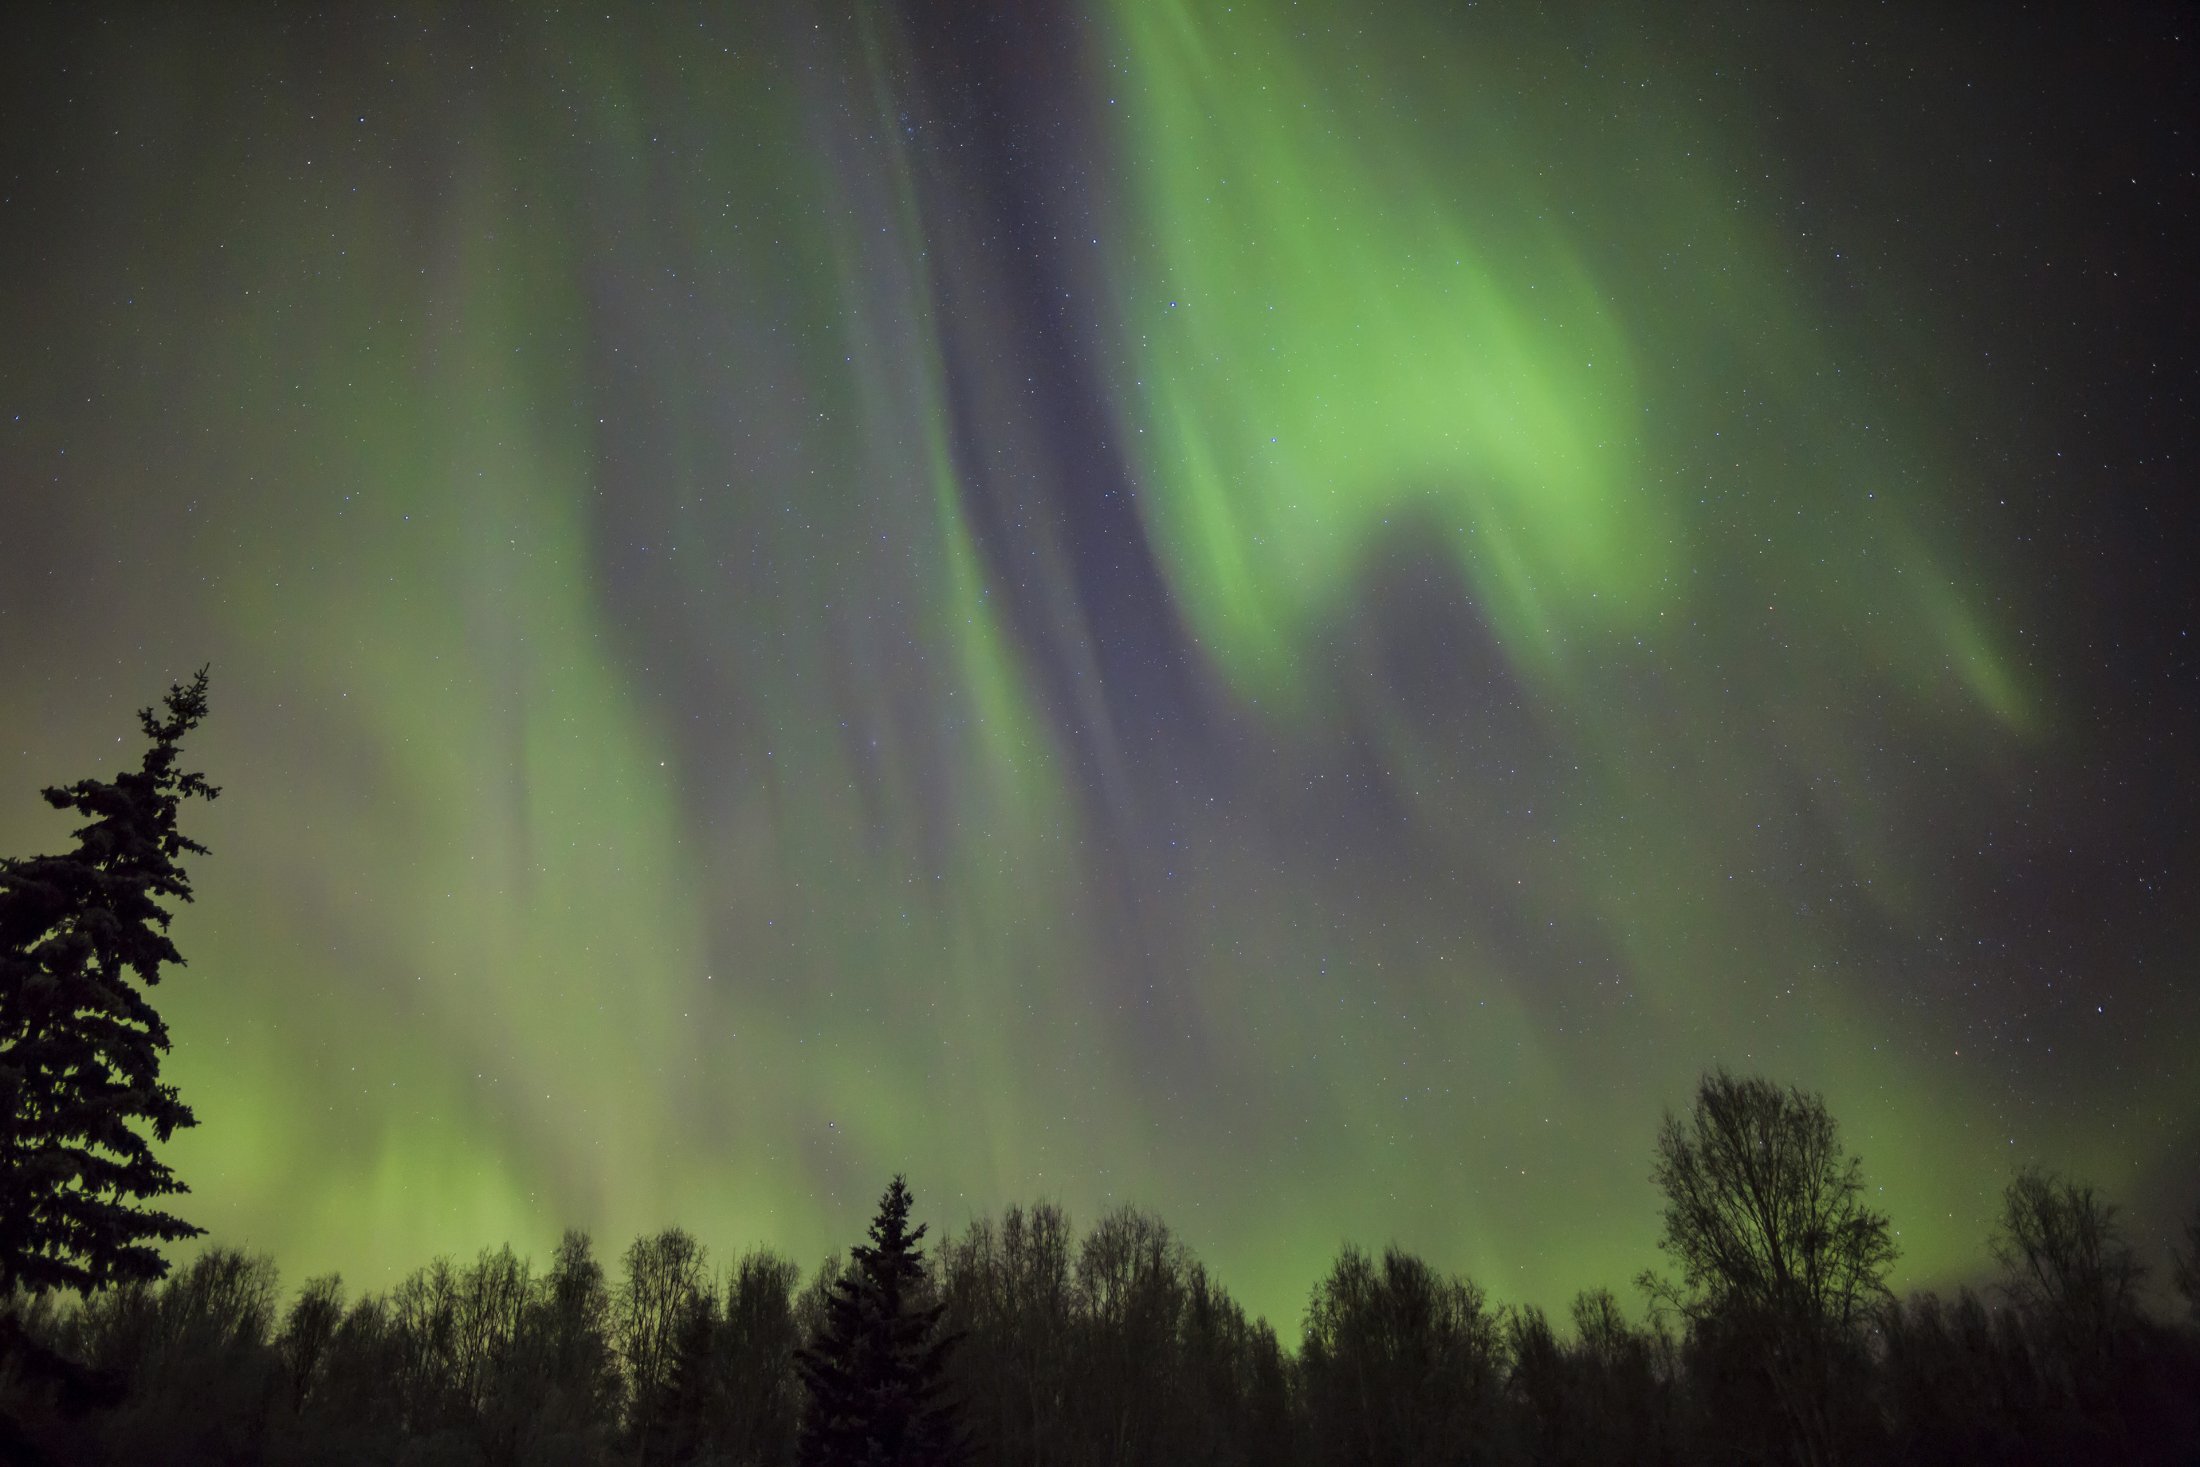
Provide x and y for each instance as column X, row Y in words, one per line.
column 1290, row 615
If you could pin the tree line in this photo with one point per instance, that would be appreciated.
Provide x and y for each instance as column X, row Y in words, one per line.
column 1771, row 1335
column 1021, row 1339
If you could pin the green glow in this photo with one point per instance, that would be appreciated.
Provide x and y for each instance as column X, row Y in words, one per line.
column 1346, row 337
column 669, row 773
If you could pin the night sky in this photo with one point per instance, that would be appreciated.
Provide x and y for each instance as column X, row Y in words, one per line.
column 1295, row 614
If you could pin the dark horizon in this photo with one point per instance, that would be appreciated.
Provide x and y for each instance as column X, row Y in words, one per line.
column 1024, row 1338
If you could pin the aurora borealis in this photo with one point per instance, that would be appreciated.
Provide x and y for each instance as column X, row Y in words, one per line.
column 1291, row 613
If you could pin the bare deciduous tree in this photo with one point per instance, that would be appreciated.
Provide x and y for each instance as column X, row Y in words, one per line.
column 1781, row 1258
column 1008, row 1290
column 664, row 1277
column 2066, row 1265
column 308, row 1330
column 1400, row 1363
column 2185, row 1266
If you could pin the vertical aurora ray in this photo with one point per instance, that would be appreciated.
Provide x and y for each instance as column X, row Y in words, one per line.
column 1288, row 617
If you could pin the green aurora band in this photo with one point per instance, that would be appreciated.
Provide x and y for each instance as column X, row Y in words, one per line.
column 669, row 781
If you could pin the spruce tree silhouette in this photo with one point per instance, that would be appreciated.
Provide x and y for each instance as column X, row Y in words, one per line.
column 876, row 1371
column 80, row 1046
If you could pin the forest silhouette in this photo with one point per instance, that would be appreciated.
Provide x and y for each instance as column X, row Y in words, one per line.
column 1770, row 1334
column 1027, row 1341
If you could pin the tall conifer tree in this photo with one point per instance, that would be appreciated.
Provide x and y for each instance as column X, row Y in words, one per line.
column 80, row 1043
column 876, row 1372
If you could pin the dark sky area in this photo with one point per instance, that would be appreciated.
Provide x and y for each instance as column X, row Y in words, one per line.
column 1292, row 613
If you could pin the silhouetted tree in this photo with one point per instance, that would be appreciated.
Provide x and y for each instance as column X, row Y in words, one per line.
column 664, row 1278
column 1230, row 1410
column 1121, row 1349
column 195, row 1350
column 308, row 1330
column 1781, row 1260
column 1541, row 1382
column 423, row 1329
column 1956, row 1383
column 489, row 1355
column 731, row 1393
column 1623, row 1380
column 875, row 1373
column 356, row 1399
column 1271, row 1432
column 80, row 1045
column 1008, row 1292
column 1400, row 1364
column 813, row 1306
column 693, row 1400
column 1131, row 1287
column 572, row 1375
column 761, row 1396
column 2070, row 1273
